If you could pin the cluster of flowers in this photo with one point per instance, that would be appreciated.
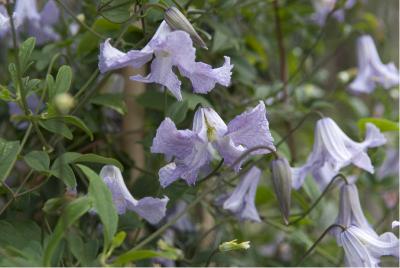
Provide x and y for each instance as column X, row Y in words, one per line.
column 190, row 152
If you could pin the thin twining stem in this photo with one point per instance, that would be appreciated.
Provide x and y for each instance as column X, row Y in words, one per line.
column 299, row 125
column 213, row 253
column 327, row 188
column 319, row 240
column 249, row 151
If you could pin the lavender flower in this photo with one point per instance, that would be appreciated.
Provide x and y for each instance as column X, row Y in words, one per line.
column 241, row 201
column 371, row 70
column 4, row 21
column 192, row 149
column 169, row 48
column 38, row 24
column 324, row 7
column 362, row 245
column 149, row 208
column 333, row 150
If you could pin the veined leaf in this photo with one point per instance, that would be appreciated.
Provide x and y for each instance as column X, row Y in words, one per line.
column 8, row 155
column 38, row 160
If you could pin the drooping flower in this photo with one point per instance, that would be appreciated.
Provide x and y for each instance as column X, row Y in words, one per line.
column 149, row 208
column 371, row 70
column 241, row 201
column 362, row 245
column 192, row 149
column 38, row 24
column 333, row 150
column 170, row 48
column 324, row 7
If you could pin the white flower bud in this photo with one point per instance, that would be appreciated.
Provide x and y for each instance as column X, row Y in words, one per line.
column 64, row 102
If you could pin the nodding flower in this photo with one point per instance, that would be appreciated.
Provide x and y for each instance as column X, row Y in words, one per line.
column 192, row 150
column 333, row 150
column 371, row 70
column 167, row 48
column 363, row 247
column 149, row 208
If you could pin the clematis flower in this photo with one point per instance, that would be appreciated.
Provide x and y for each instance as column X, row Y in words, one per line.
column 192, row 149
column 241, row 201
column 324, row 7
column 149, row 208
column 371, row 70
column 362, row 245
column 167, row 49
column 333, row 150
column 38, row 24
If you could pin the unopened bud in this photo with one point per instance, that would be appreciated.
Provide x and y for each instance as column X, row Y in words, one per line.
column 233, row 245
column 64, row 102
column 282, row 182
column 177, row 21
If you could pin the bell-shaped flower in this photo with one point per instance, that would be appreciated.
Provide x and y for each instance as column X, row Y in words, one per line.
column 167, row 49
column 192, row 150
column 371, row 70
column 333, row 150
column 324, row 7
column 241, row 201
column 149, row 208
column 363, row 249
column 362, row 245
column 38, row 24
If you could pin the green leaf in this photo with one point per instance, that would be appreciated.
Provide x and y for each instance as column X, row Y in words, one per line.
column 38, row 160
column 113, row 101
column 73, row 120
column 103, row 204
column 94, row 158
column 50, row 83
column 154, row 100
column 57, row 126
column 63, row 81
column 5, row 94
column 63, row 171
column 25, row 52
column 73, row 211
column 177, row 111
column 116, row 11
column 383, row 124
column 85, row 253
column 118, row 239
column 8, row 156
column 132, row 256
column 195, row 99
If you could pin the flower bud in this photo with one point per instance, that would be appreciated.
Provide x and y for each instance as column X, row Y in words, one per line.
column 64, row 102
column 177, row 21
column 233, row 245
column 282, row 182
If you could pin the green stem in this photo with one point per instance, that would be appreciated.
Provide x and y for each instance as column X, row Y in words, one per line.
column 249, row 151
column 319, row 240
column 215, row 251
column 327, row 188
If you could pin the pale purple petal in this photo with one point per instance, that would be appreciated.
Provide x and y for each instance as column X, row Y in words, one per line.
column 161, row 73
column 373, row 136
column 204, row 77
column 50, row 13
column 216, row 127
column 395, row 224
column 243, row 129
column 121, row 196
column 390, row 166
column 151, row 209
column 111, row 58
column 27, row 10
column 371, row 70
column 230, row 152
column 241, row 200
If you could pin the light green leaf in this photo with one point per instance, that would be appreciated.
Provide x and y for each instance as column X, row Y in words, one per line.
column 8, row 155
column 103, row 204
column 177, row 111
column 63, row 81
column 194, row 99
column 5, row 94
column 113, row 101
column 25, row 52
column 94, row 158
column 63, row 171
column 132, row 256
column 73, row 120
column 73, row 211
column 38, row 160
column 383, row 124
column 57, row 126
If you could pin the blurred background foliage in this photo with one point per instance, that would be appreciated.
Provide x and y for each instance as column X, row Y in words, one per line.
column 320, row 63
